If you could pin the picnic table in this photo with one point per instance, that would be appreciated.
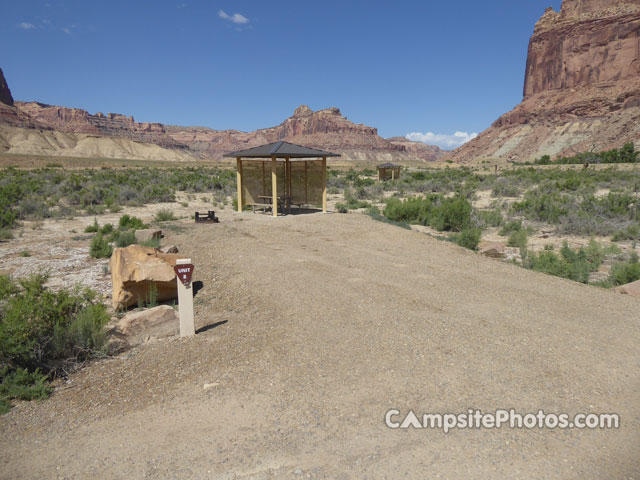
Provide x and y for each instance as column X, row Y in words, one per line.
column 284, row 202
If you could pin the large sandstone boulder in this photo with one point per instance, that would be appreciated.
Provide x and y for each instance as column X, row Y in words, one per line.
column 156, row 322
column 135, row 268
column 632, row 288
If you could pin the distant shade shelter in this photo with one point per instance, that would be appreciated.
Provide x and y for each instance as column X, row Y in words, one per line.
column 298, row 176
column 388, row 171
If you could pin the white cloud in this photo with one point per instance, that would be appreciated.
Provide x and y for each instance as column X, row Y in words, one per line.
column 67, row 31
column 442, row 140
column 26, row 26
column 181, row 5
column 235, row 18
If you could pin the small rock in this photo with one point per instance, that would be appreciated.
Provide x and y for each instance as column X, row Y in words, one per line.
column 169, row 249
column 142, row 326
column 207, row 386
column 493, row 250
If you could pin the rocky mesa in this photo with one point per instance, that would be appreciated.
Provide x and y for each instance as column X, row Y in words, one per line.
column 41, row 129
column 326, row 129
column 581, row 88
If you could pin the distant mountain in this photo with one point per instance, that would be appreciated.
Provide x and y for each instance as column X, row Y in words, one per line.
column 581, row 89
column 76, row 132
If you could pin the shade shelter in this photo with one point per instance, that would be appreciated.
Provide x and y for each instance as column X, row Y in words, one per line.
column 388, row 171
column 298, row 176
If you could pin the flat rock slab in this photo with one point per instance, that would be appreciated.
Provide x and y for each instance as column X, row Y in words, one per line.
column 632, row 289
column 158, row 322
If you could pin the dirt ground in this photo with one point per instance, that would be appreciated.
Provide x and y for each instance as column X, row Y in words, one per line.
column 311, row 327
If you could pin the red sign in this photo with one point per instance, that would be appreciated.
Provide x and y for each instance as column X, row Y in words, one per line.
column 184, row 272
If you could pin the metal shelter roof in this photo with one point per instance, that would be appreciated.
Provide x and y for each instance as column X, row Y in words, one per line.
column 281, row 150
column 388, row 165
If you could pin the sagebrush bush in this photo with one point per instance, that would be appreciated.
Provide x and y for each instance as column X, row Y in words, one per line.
column 469, row 238
column 46, row 331
column 571, row 264
column 625, row 272
column 128, row 222
column 125, row 238
column 164, row 215
column 93, row 228
column 437, row 211
column 518, row 238
column 99, row 247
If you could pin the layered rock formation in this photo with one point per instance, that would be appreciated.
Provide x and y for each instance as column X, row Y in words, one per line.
column 326, row 129
column 75, row 132
column 76, row 120
column 582, row 86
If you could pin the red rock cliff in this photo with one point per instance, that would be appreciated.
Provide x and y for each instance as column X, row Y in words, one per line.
column 587, row 42
column 5, row 93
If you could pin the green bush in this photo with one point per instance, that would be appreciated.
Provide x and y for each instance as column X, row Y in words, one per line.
column 632, row 232
column 443, row 214
column 22, row 385
column 45, row 331
column 131, row 223
column 94, row 228
column 625, row 272
column 490, row 218
column 106, row 229
column 469, row 238
column 164, row 215
column 518, row 238
column 510, row 227
column 571, row 264
column 125, row 238
column 99, row 247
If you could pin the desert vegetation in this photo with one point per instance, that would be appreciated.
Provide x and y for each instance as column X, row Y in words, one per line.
column 518, row 204
column 45, row 334
column 56, row 193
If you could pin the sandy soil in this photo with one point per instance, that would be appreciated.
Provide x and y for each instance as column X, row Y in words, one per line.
column 310, row 328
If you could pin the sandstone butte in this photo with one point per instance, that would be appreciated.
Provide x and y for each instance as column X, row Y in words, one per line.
column 581, row 89
column 76, row 132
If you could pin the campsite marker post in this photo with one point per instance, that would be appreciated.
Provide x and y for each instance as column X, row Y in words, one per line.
column 184, row 271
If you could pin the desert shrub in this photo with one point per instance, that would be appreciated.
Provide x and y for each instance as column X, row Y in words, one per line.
column 443, row 214
column 518, row 238
column 22, row 385
column 571, row 264
column 127, row 222
column 106, row 229
column 503, row 188
column 5, row 234
column 152, row 242
column 452, row 215
column 490, row 218
column 341, row 208
column 164, row 215
column 45, row 331
column 93, row 228
column 626, row 154
column 468, row 238
column 625, row 272
column 125, row 238
column 374, row 213
column 99, row 247
column 511, row 226
column 632, row 232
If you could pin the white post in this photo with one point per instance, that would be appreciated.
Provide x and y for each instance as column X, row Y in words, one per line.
column 185, row 304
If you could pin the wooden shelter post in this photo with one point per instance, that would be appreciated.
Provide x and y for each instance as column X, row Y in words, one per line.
column 239, row 182
column 393, row 173
column 274, row 186
column 324, row 184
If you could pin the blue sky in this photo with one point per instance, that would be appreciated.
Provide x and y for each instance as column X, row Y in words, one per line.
column 403, row 66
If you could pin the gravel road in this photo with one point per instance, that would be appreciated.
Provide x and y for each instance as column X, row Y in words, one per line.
column 311, row 327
